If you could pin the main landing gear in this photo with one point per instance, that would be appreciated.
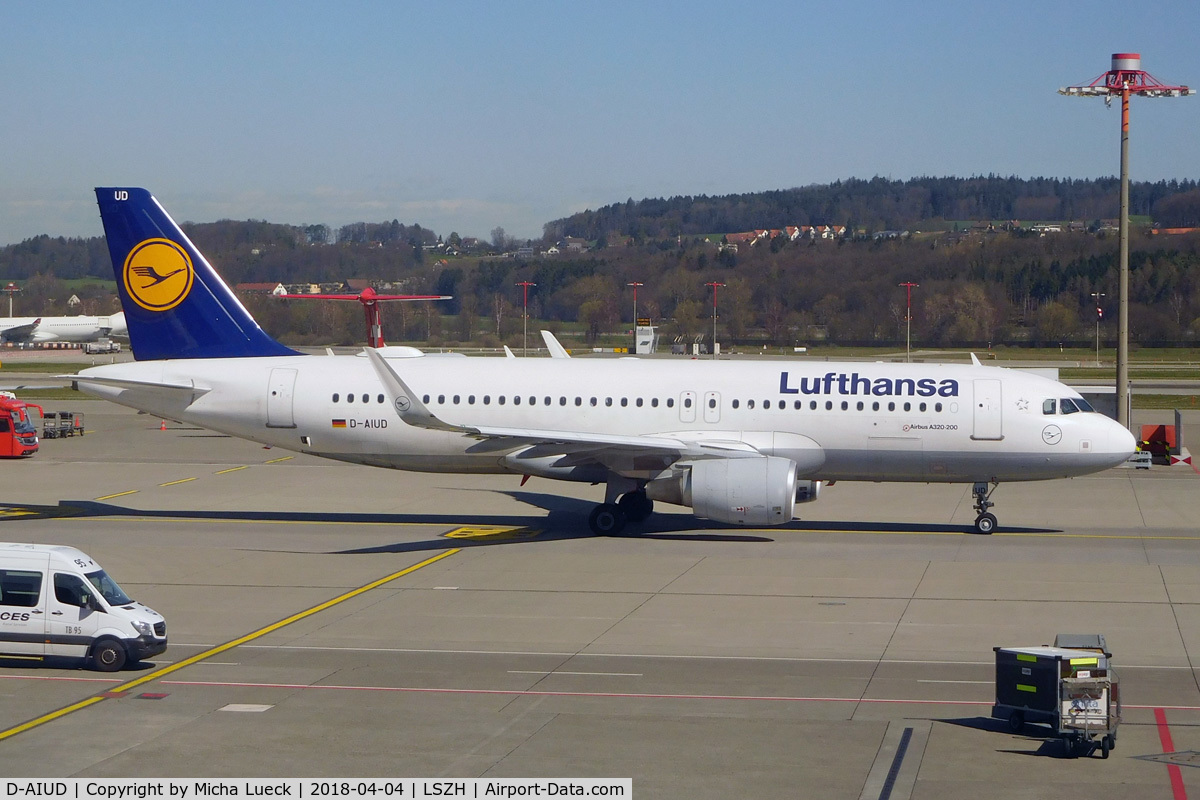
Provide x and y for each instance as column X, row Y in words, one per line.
column 985, row 522
column 609, row 519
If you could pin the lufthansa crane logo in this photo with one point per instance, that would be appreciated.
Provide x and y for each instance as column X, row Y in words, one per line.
column 158, row 274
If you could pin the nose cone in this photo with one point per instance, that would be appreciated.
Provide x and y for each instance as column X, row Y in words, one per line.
column 1121, row 443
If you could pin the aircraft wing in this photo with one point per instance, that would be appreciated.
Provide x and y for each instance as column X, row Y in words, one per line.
column 20, row 333
column 612, row 450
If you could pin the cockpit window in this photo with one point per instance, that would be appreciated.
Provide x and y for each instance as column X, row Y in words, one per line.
column 1068, row 406
column 1084, row 405
column 1048, row 406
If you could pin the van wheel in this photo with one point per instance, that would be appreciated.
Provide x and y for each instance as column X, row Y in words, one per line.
column 108, row 656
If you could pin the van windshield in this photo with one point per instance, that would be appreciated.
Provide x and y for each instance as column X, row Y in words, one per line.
column 108, row 588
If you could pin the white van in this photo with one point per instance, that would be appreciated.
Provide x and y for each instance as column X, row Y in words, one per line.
column 57, row 601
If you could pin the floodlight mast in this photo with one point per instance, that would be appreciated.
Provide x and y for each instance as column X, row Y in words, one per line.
column 1125, row 79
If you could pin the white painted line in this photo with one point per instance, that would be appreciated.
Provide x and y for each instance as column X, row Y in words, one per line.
column 248, row 708
column 565, row 672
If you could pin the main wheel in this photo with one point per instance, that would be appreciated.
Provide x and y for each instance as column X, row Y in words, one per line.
column 985, row 523
column 108, row 655
column 636, row 505
column 607, row 519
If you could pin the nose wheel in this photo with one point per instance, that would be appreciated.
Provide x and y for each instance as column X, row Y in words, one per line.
column 985, row 522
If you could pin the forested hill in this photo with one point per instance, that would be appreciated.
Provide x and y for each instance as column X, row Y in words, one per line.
column 882, row 204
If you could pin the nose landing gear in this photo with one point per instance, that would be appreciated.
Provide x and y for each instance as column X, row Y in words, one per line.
column 985, row 522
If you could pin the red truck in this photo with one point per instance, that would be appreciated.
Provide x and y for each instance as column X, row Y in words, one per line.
column 18, row 437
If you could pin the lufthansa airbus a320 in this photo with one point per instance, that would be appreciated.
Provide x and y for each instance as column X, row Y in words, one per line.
column 737, row 442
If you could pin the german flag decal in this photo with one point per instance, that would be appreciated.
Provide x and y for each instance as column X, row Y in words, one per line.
column 339, row 423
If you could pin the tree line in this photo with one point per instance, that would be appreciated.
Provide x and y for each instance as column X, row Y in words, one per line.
column 975, row 287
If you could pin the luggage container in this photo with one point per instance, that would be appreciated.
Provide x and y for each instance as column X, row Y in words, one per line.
column 1073, row 690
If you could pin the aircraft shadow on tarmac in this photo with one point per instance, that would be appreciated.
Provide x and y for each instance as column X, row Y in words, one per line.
column 1048, row 745
column 561, row 518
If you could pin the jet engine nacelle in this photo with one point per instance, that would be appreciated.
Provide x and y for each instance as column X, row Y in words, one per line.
column 807, row 491
column 741, row 491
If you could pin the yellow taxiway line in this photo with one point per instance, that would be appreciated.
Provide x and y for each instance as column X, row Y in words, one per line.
column 187, row 662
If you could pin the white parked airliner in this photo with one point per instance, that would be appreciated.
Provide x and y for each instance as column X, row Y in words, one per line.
column 740, row 443
column 81, row 328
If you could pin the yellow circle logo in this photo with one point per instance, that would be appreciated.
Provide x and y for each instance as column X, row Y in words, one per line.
column 158, row 274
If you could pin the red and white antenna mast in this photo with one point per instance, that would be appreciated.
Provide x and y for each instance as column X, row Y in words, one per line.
column 1124, row 80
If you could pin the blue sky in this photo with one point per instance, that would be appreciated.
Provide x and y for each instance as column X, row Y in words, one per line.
column 465, row 116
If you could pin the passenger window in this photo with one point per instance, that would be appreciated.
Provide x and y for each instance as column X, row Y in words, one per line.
column 712, row 402
column 736, row 403
column 687, row 402
column 592, row 401
column 766, row 403
column 456, row 399
column 562, row 401
column 860, row 405
column 547, row 399
column 921, row 407
column 812, row 405
column 937, row 407
column 350, row 398
column 891, row 406
column 654, row 402
column 799, row 405
column 639, row 402
column 471, row 399
column 829, row 405
column 335, row 397
column 624, row 402
column 670, row 402
column 70, row 590
column 875, row 406
column 749, row 404
column 845, row 405
column 517, row 400
column 366, row 398
column 500, row 399
column 379, row 399
column 578, row 401
column 441, row 399
column 1048, row 406
column 608, row 402
column 1068, row 406
column 20, row 588
column 487, row 399
column 533, row 401
column 907, row 406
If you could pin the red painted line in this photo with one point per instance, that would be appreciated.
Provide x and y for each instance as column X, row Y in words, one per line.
column 1178, row 790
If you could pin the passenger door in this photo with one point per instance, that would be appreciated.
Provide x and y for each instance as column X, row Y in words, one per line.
column 988, row 410
column 22, row 609
column 72, row 623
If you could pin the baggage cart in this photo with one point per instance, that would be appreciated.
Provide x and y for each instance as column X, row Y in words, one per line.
column 60, row 424
column 1074, row 691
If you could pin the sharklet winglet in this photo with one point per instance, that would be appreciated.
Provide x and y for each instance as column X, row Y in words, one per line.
column 410, row 408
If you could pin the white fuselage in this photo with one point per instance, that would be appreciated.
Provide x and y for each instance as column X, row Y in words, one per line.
column 61, row 329
column 870, row 421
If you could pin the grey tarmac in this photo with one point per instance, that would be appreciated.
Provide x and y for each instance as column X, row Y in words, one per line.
column 701, row 661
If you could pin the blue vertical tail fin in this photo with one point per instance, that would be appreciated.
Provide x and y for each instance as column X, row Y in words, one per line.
column 176, row 305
